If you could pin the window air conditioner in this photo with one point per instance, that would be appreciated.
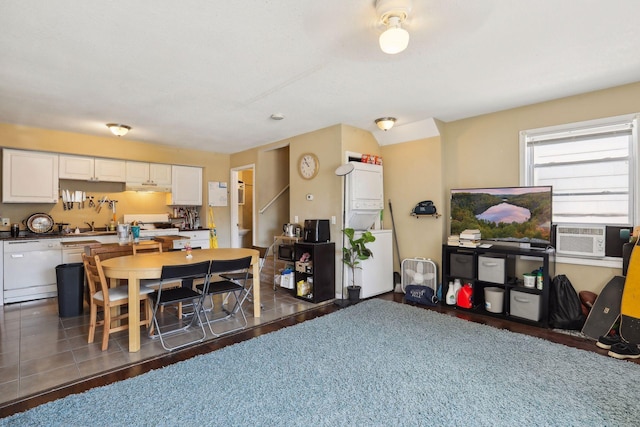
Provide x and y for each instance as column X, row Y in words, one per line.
column 585, row 240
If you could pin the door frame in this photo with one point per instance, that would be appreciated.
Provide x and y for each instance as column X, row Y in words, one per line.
column 233, row 204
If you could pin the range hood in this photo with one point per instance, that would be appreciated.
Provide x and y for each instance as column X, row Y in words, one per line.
column 144, row 186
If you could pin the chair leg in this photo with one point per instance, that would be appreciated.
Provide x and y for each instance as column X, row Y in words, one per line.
column 92, row 322
column 105, row 331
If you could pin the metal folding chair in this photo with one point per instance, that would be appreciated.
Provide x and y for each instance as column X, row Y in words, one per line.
column 236, row 287
column 236, row 276
column 164, row 297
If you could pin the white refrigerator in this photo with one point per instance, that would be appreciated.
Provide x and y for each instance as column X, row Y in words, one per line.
column 376, row 274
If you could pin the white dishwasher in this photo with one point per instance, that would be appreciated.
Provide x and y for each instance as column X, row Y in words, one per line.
column 30, row 269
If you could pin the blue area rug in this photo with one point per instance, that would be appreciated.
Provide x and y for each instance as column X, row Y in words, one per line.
column 376, row 363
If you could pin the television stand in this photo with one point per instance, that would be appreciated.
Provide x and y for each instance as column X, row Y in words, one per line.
column 502, row 268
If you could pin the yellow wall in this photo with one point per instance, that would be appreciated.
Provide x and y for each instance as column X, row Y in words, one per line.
column 475, row 152
column 413, row 173
column 483, row 151
column 215, row 168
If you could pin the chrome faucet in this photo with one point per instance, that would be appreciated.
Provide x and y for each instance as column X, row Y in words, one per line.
column 91, row 225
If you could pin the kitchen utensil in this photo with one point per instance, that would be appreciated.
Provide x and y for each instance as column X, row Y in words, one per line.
column 39, row 223
column 289, row 229
column 78, row 198
column 64, row 200
column 104, row 199
column 123, row 234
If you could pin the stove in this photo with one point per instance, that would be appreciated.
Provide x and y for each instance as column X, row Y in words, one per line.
column 156, row 225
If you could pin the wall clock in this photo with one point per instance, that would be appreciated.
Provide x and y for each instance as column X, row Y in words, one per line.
column 308, row 165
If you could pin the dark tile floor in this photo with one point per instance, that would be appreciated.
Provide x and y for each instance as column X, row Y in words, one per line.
column 39, row 350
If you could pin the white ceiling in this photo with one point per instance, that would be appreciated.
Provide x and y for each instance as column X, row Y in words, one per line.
column 208, row 74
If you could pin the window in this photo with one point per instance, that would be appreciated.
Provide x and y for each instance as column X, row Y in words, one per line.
column 592, row 167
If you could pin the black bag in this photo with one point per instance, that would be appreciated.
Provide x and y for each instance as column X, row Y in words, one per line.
column 421, row 295
column 424, row 208
column 565, row 311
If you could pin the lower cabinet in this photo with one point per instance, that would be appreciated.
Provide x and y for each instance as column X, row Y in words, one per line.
column 314, row 271
column 503, row 279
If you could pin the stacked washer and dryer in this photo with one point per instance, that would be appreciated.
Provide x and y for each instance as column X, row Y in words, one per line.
column 364, row 201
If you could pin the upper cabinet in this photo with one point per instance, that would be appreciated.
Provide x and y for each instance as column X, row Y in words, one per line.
column 29, row 177
column 92, row 169
column 186, row 186
column 151, row 176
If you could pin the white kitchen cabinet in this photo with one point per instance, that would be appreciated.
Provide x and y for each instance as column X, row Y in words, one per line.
column 148, row 173
column 186, row 186
column 197, row 239
column 29, row 177
column 92, row 169
column 110, row 170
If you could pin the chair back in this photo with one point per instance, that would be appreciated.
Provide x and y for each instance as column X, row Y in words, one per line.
column 227, row 265
column 185, row 271
column 264, row 253
column 147, row 247
column 95, row 276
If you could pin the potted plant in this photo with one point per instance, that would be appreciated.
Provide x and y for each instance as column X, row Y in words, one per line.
column 352, row 255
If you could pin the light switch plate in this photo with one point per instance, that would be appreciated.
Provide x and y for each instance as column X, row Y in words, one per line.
column 6, row 221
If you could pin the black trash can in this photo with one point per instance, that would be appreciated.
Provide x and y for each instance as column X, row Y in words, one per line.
column 70, row 279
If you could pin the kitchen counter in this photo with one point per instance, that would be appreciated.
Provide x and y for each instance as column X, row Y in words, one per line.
column 6, row 235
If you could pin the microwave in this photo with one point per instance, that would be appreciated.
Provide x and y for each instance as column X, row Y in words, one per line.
column 286, row 253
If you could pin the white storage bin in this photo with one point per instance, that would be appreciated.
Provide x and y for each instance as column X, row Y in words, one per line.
column 524, row 305
column 495, row 269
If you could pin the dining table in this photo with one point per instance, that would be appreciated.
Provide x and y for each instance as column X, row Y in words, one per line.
column 149, row 266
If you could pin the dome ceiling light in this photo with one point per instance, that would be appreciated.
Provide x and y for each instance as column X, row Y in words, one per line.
column 392, row 14
column 385, row 123
column 118, row 129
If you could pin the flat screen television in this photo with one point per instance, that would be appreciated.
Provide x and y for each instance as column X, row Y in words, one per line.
column 509, row 214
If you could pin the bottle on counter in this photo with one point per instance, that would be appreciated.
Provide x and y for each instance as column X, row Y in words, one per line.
column 539, row 279
column 457, row 285
column 451, row 295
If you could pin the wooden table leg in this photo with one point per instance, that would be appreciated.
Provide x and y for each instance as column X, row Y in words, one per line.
column 134, row 313
column 256, row 289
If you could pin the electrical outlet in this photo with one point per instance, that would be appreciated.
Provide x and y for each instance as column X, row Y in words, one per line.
column 6, row 221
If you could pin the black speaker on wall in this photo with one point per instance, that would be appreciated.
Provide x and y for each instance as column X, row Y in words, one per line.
column 613, row 242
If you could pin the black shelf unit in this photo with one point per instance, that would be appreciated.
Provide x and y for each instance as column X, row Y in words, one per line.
column 317, row 272
column 463, row 263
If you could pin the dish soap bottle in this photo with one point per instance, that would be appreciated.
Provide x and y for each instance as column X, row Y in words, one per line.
column 451, row 295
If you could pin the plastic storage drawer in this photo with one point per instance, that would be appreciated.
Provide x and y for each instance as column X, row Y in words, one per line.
column 524, row 305
column 461, row 265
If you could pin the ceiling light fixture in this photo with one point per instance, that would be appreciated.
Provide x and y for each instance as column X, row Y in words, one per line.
column 385, row 123
column 118, row 129
column 392, row 14
column 277, row 116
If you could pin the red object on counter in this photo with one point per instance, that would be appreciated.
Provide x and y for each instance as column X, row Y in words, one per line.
column 465, row 295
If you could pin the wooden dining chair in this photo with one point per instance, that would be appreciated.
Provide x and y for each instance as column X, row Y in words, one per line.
column 146, row 247
column 101, row 296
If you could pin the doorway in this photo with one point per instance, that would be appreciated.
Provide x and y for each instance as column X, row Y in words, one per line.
column 242, row 205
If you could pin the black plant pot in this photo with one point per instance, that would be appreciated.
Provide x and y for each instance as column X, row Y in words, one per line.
column 354, row 294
